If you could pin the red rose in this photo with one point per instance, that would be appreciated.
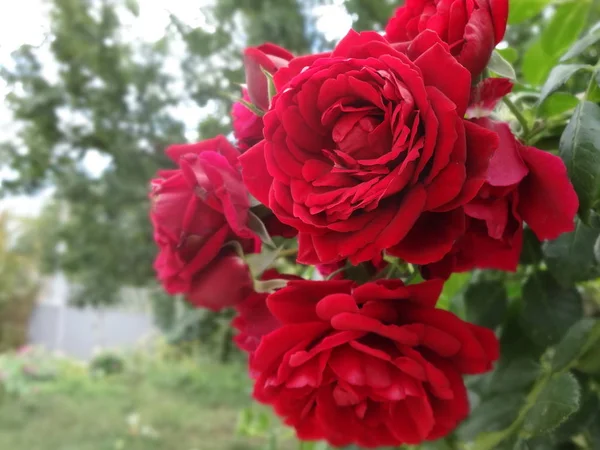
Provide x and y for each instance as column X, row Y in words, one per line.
column 368, row 150
column 472, row 28
column 524, row 184
column 247, row 126
column 196, row 210
column 372, row 365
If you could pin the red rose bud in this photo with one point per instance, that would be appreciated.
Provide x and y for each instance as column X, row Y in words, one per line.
column 247, row 126
column 471, row 28
column 197, row 209
column 367, row 150
column 371, row 365
column 268, row 57
column 524, row 184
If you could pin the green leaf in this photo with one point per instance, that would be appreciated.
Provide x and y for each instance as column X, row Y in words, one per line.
column 521, row 10
column 586, row 415
column 580, row 150
column 565, row 26
column 486, row 303
column 250, row 106
column 259, row 228
column 515, row 375
column 490, row 441
column 501, row 66
column 570, row 257
column 537, row 64
column 549, row 310
column 532, row 248
column 259, row 262
column 580, row 337
column 492, row 415
column 271, row 89
column 589, row 361
column 453, row 287
column 583, row 44
column 558, row 77
column 510, row 54
column 557, row 104
column 558, row 399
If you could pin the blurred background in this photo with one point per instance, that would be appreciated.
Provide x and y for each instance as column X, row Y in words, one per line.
column 93, row 356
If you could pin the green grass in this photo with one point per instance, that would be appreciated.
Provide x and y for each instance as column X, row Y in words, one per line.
column 188, row 406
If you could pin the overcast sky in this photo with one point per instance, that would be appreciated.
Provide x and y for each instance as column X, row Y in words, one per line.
column 24, row 22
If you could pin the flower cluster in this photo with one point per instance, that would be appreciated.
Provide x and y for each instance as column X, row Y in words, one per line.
column 383, row 150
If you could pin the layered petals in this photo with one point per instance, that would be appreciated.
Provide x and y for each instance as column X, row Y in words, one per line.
column 362, row 143
column 370, row 365
column 470, row 28
column 196, row 210
column 523, row 184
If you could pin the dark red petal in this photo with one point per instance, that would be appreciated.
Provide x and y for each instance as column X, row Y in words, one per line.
column 226, row 282
column 255, row 173
column 333, row 304
column 454, row 81
column 431, row 238
column 499, row 9
column 506, row 166
column 547, row 200
column 297, row 302
column 486, row 95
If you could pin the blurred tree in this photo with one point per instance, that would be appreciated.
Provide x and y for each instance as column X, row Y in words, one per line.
column 96, row 131
column 19, row 282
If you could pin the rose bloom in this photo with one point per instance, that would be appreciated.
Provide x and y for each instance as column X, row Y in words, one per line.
column 471, row 28
column 371, row 365
column 524, row 184
column 197, row 209
column 367, row 149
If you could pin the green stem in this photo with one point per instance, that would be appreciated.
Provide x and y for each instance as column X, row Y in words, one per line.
column 518, row 115
column 591, row 84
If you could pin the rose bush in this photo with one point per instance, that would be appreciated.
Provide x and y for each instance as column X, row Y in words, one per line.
column 367, row 150
column 392, row 158
column 371, row 365
column 197, row 210
column 471, row 28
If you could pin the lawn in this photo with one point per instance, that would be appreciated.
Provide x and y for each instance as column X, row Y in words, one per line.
column 169, row 404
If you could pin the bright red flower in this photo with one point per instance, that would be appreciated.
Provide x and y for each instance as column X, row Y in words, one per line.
column 196, row 210
column 472, row 28
column 524, row 184
column 372, row 365
column 368, row 150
